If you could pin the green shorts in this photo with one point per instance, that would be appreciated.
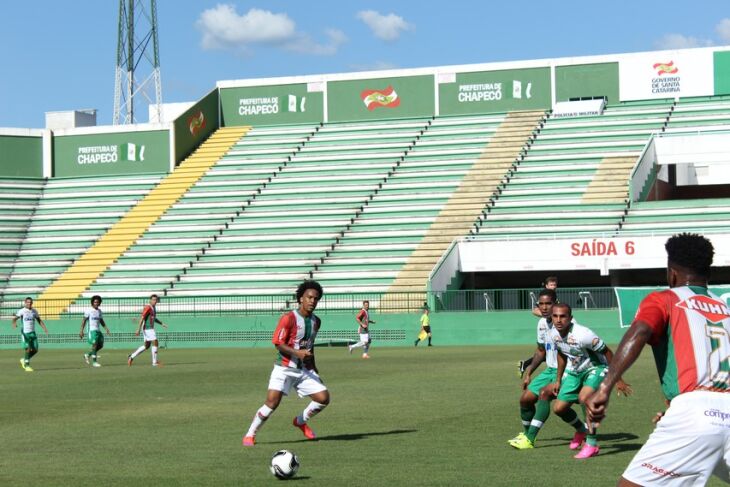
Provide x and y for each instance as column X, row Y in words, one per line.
column 29, row 340
column 96, row 338
column 547, row 376
column 572, row 383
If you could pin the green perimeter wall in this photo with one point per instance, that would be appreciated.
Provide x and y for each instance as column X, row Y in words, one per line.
column 587, row 80
column 722, row 72
column 195, row 125
column 467, row 328
column 121, row 153
column 21, row 156
column 496, row 91
column 271, row 105
column 415, row 98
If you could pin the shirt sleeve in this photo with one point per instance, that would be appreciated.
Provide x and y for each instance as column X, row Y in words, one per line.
column 87, row 314
column 19, row 314
column 361, row 316
column 540, row 336
column 593, row 342
column 654, row 311
column 146, row 311
column 282, row 333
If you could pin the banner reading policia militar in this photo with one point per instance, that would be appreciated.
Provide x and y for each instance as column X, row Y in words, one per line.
column 105, row 154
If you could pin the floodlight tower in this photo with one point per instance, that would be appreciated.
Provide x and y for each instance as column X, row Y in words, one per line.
column 137, row 76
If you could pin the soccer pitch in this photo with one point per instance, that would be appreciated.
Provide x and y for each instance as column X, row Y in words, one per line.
column 408, row 416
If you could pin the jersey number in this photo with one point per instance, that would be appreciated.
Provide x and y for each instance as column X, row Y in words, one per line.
column 719, row 359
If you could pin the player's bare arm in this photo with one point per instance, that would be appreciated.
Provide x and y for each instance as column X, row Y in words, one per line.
column 108, row 332
column 621, row 386
column 15, row 322
column 537, row 358
column 43, row 325
column 628, row 351
column 83, row 325
column 562, row 363
column 160, row 323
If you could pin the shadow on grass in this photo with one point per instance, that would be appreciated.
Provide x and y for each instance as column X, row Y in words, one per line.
column 610, row 442
column 352, row 436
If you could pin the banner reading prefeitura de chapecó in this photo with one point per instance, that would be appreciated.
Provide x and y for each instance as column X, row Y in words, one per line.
column 495, row 91
column 272, row 105
column 106, row 154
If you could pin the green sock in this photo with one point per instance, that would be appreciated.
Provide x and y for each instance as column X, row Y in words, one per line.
column 93, row 358
column 26, row 357
column 592, row 439
column 526, row 414
column 542, row 412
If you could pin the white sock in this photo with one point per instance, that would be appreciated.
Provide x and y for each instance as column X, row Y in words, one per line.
column 365, row 348
column 138, row 351
column 154, row 354
column 313, row 409
column 358, row 344
column 261, row 415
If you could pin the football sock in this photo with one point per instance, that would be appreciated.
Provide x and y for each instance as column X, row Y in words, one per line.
column 571, row 417
column 31, row 353
column 415, row 344
column 542, row 412
column 365, row 347
column 526, row 414
column 93, row 358
column 26, row 357
column 592, row 439
column 358, row 344
column 429, row 341
column 261, row 415
column 311, row 410
column 154, row 354
column 137, row 352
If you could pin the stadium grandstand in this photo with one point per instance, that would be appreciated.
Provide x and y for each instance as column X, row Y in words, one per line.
column 460, row 187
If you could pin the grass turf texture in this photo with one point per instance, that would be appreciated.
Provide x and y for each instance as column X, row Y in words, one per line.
column 424, row 417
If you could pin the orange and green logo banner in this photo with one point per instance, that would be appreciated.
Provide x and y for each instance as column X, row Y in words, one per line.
column 665, row 68
column 195, row 124
column 387, row 98
column 381, row 98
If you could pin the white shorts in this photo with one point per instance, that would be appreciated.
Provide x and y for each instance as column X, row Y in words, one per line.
column 149, row 334
column 365, row 337
column 689, row 444
column 306, row 382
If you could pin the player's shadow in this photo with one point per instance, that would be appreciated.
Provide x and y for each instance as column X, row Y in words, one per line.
column 610, row 443
column 357, row 436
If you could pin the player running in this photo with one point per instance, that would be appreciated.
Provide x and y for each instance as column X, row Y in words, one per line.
column 583, row 360
column 96, row 338
column 147, row 323
column 29, row 338
column 363, row 329
column 295, row 366
column 425, row 328
column 687, row 328
column 538, row 390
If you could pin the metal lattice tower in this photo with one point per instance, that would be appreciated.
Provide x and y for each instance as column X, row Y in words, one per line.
column 137, row 77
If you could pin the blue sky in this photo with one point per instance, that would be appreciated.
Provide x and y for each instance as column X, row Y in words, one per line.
column 61, row 55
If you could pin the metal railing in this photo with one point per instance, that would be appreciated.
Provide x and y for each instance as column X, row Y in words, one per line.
column 460, row 300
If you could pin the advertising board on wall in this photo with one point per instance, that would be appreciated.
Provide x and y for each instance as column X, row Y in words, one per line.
column 496, row 91
column 381, row 98
column 666, row 74
column 272, row 105
column 115, row 153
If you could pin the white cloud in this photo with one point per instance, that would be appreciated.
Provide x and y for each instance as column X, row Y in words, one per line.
column 375, row 66
column 224, row 28
column 386, row 27
column 679, row 41
column 723, row 30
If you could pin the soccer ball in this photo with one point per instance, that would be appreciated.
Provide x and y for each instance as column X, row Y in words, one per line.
column 284, row 464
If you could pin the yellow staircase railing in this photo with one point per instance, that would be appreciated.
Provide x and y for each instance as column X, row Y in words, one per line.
column 57, row 297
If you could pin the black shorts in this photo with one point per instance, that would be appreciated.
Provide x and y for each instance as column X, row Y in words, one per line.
column 427, row 329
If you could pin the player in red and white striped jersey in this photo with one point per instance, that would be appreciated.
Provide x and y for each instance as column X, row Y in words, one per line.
column 689, row 330
column 295, row 367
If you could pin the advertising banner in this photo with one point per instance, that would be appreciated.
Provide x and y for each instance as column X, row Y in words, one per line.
column 496, row 91
column 104, row 154
column 601, row 254
column 628, row 299
column 21, row 156
column 666, row 74
column 578, row 81
column 380, row 98
column 722, row 72
column 195, row 125
column 272, row 105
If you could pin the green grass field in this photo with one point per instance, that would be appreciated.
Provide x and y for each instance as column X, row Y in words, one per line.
column 421, row 417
